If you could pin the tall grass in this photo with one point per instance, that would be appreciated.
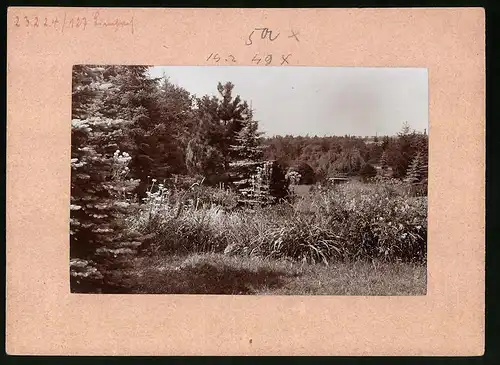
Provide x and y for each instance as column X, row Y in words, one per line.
column 347, row 222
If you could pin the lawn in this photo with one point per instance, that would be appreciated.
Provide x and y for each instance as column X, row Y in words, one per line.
column 222, row 274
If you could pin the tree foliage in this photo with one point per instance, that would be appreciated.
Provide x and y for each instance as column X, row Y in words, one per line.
column 101, row 186
column 246, row 170
column 331, row 155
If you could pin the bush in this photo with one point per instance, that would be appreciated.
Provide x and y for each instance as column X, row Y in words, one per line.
column 302, row 240
column 307, row 174
column 349, row 222
column 367, row 172
column 379, row 221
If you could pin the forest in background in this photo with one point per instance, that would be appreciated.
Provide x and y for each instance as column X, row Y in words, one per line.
column 148, row 157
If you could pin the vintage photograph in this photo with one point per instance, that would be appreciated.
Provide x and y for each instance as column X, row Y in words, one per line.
column 249, row 180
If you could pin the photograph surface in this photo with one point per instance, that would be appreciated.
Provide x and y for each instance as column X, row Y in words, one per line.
column 249, row 180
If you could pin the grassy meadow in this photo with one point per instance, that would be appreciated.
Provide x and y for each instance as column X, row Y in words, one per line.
column 213, row 273
column 350, row 239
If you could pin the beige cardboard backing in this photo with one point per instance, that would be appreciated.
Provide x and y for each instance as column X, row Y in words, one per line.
column 44, row 318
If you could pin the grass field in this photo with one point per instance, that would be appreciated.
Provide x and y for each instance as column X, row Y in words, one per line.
column 222, row 274
column 353, row 239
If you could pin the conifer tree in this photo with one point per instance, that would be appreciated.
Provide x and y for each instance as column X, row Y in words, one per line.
column 100, row 188
column 383, row 161
column 384, row 164
column 414, row 173
column 420, row 145
column 248, row 153
column 204, row 160
column 226, row 115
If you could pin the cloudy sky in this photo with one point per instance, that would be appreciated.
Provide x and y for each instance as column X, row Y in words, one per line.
column 319, row 100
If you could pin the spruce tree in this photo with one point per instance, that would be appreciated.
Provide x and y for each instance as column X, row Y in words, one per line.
column 384, row 164
column 421, row 146
column 414, row 173
column 248, row 154
column 155, row 107
column 101, row 188
column 225, row 115
column 258, row 182
column 383, row 161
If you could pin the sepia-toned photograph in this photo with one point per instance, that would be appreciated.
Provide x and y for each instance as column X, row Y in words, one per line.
column 249, row 180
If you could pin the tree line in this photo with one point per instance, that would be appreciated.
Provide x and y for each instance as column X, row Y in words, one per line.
column 317, row 158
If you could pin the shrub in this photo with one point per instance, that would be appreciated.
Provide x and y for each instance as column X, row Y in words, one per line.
column 348, row 222
column 306, row 172
column 367, row 172
column 302, row 239
column 379, row 221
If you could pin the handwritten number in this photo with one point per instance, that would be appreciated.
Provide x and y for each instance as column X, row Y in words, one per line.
column 264, row 33
column 215, row 57
column 267, row 33
column 48, row 22
column 249, row 41
column 269, row 59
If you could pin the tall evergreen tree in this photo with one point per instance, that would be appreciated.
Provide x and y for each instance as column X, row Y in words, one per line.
column 421, row 146
column 100, row 188
column 383, row 161
column 177, row 115
column 400, row 151
column 414, row 173
column 228, row 114
column 248, row 155
column 204, row 159
column 156, row 108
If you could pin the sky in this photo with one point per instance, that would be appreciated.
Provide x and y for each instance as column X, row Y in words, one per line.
column 357, row 101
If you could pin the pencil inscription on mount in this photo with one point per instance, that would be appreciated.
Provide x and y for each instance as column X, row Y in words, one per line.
column 114, row 23
column 80, row 21
column 267, row 34
column 258, row 59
